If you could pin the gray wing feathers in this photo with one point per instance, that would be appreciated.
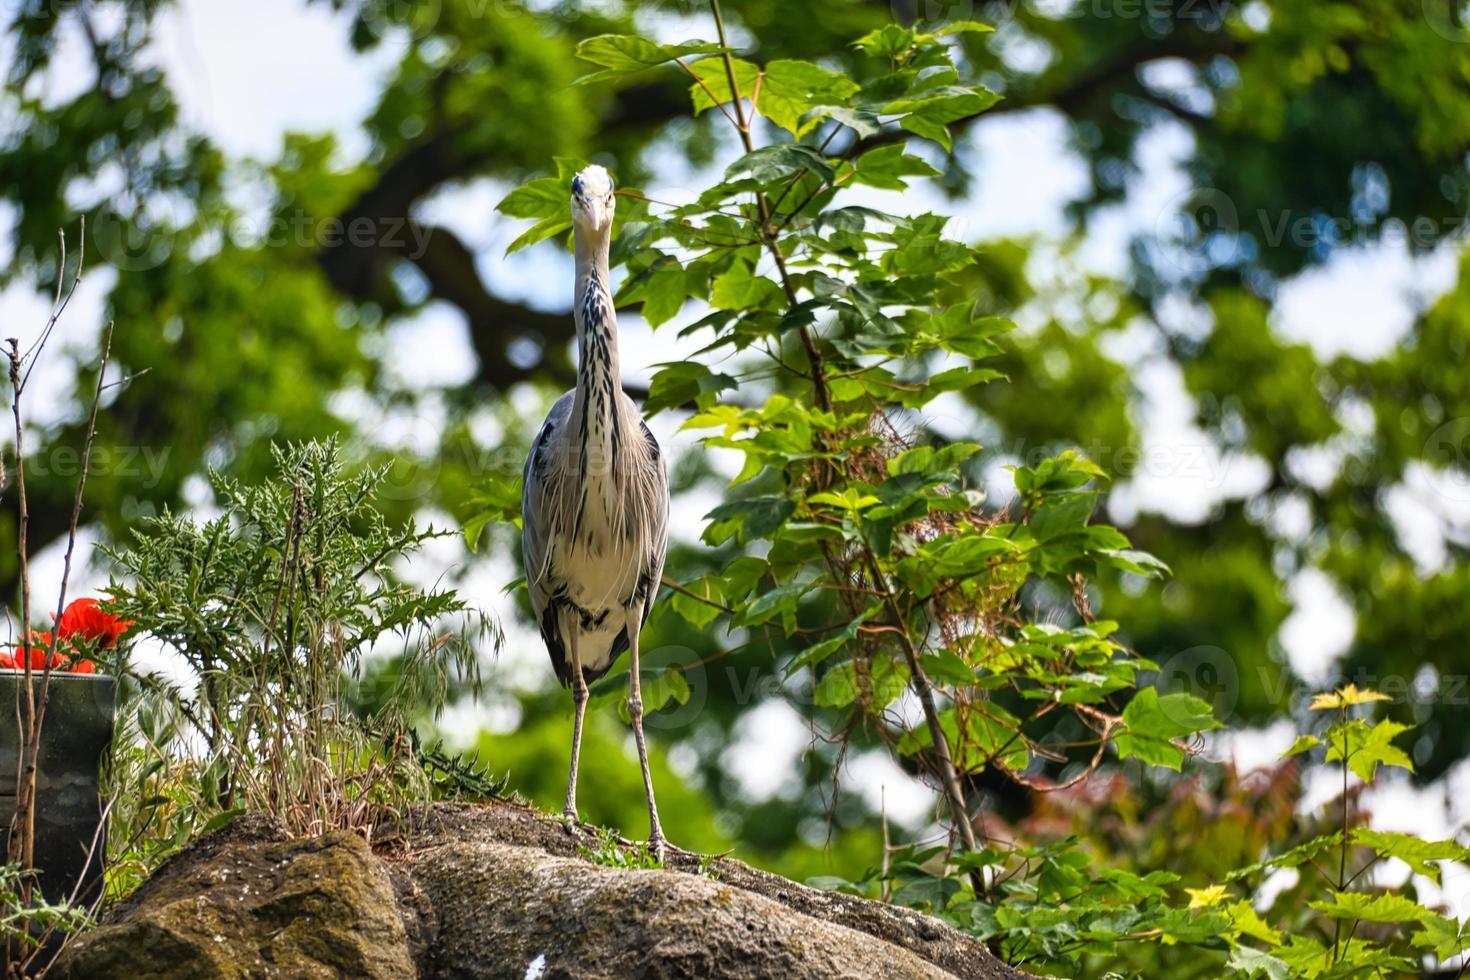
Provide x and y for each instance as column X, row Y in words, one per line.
column 537, row 506
column 660, row 536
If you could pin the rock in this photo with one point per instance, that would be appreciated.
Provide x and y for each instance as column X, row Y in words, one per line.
column 246, row 902
column 575, row 919
column 440, row 860
column 495, row 891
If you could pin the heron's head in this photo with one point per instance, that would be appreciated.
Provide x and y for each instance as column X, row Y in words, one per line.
column 592, row 199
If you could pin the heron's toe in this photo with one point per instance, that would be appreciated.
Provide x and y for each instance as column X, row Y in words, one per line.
column 657, row 848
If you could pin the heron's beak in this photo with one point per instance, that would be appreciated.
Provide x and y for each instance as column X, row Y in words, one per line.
column 600, row 213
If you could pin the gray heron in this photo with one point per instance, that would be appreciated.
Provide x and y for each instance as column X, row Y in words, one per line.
column 595, row 508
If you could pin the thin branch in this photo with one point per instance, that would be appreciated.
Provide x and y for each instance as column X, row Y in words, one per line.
column 708, row 91
column 60, row 302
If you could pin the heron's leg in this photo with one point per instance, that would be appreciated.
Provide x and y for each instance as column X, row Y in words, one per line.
column 579, row 699
column 635, row 709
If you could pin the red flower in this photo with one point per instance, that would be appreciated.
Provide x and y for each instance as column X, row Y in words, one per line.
column 37, row 643
column 83, row 626
column 85, row 618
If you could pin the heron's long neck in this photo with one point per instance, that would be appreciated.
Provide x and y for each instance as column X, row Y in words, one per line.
column 598, row 401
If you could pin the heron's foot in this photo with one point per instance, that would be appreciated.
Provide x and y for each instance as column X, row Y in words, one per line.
column 657, row 847
column 571, row 823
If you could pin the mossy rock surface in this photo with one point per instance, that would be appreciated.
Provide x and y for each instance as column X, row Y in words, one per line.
column 495, row 891
column 247, row 902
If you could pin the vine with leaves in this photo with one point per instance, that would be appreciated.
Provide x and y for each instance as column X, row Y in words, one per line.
column 852, row 518
column 859, row 536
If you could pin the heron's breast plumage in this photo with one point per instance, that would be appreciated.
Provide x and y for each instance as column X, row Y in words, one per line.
column 599, row 501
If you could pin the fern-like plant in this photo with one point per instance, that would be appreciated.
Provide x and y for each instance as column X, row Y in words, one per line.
column 275, row 605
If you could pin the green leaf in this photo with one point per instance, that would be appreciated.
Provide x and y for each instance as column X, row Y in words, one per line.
column 739, row 289
column 790, row 91
column 842, row 685
column 1302, row 744
column 1365, row 748
column 1386, row 907
column 1153, row 723
column 1253, row 963
column 954, row 379
column 625, row 54
column 494, row 502
column 968, row 335
column 685, row 382
column 889, row 41
column 850, row 499
column 863, row 122
column 1067, row 471
column 780, row 601
column 946, row 667
column 712, row 87
column 1204, row 898
column 890, row 676
column 931, row 460
column 1293, row 858
column 1416, row 852
column 691, row 609
column 221, row 819
column 927, row 891
column 545, row 199
column 930, row 113
column 663, row 287
column 1130, row 560
column 772, row 163
column 991, row 736
column 886, row 167
column 964, row 27
column 1063, row 515
column 669, row 685
column 818, row 652
column 1246, row 922
column 838, row 687
column 1445, row 937
column 747, row 520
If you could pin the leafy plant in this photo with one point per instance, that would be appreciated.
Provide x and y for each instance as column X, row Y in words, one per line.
column 1054, row 908
column 858, row 543
column 610, row 851
column 1398, row 929
column 26, row 917
column 860, row 547
column 275, row 604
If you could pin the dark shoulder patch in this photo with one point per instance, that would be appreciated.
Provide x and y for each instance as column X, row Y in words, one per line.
column 653, row 450
column 537, row 448
column 547, row 428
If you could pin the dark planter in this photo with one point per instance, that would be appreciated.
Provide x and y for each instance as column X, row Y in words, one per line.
column 75, row 733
